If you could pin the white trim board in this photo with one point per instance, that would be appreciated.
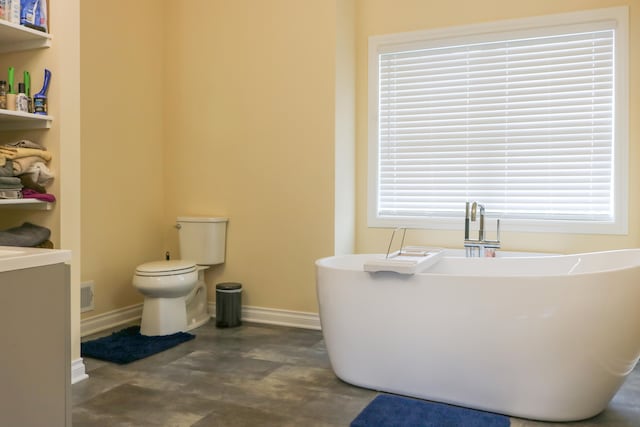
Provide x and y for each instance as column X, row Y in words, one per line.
column 274, row 316
column 133, row 313
column 110, row 319
column 270, row 316
column 78, row 372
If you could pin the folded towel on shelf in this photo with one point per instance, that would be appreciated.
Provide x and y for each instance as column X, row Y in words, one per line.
column 10, row 194
column 28, row 193
column 39, row 172
column 10, row 183
column 26, row 235
column 17, row 152
column 24, row 143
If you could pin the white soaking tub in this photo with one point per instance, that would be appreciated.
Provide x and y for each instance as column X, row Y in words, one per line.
column 542, row 337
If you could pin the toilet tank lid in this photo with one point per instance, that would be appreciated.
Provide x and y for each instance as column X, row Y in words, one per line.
column 176, row 266
column 201, row 219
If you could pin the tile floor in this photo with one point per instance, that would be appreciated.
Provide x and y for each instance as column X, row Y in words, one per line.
column 252, row 375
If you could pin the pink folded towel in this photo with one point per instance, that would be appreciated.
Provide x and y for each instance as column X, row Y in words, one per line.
column 28, row 193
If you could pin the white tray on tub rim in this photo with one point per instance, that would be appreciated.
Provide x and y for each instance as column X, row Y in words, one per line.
column 409, row 260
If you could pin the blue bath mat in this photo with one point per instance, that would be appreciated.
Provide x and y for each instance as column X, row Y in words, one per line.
column 388, row 410
column 129, row 345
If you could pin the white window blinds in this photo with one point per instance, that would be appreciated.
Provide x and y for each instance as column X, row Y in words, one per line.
column 523, row 124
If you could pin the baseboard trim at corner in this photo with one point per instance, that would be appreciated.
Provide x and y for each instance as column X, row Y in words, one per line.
column 78, row 372
column 92, row 325
column 269, row 316
column 273, row 316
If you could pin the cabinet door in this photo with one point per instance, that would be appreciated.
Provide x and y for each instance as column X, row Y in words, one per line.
column 35, row 360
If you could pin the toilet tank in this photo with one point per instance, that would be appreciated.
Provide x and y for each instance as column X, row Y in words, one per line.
column 202, row 239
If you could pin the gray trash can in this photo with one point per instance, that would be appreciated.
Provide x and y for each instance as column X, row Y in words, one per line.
column 228, row 304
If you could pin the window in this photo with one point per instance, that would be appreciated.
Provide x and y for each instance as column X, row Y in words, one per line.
column 528, row 117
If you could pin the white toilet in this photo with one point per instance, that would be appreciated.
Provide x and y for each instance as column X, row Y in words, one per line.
column 175, row 293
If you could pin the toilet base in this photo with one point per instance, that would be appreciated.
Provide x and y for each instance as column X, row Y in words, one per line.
column 197, row 322
column 197, row 304
column 163, row 316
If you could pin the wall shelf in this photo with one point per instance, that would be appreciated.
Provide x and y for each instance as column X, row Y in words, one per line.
column 15, row 38
column 17, row 120
column 31, row 204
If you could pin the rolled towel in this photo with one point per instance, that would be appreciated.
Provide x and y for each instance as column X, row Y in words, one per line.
column 17, row 153
column 26, row 235
column 24, row 143
column 28, row 182
column 23, row 164
column 40, row 173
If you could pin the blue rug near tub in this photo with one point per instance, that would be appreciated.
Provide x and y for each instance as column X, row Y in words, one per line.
column 129, row 345
column 388, row 410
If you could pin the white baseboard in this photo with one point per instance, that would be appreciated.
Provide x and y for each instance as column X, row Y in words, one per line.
column 271, row 316
column 78, row 372
column 133, row 313
column 111, row 319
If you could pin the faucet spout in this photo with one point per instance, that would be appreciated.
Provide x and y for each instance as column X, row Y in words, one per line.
column 481, row 229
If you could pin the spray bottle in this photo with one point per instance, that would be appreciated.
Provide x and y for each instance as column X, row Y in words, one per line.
column 26, row 78
column 40, row 98
column 11, row 90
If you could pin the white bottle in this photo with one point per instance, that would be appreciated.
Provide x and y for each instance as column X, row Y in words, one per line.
column 13, row 7
column 22, row 101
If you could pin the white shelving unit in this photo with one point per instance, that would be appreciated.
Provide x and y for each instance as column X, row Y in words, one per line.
column 16, row 120
column 30, row 204
column 16, row 38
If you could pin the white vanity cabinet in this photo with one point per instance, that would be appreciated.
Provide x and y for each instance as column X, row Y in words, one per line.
column 35, row 373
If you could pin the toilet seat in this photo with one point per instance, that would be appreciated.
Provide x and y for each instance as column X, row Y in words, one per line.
column 165, row 268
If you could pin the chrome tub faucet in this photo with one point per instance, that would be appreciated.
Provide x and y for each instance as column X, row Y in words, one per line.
column 478, row 247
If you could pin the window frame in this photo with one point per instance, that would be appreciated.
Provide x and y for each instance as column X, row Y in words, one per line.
column 488, row 31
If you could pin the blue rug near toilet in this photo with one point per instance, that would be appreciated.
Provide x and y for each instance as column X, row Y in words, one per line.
column 388, row 410
column 128, row 345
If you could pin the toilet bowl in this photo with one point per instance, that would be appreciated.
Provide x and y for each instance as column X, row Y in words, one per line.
column 175, row 292
column 165, row 284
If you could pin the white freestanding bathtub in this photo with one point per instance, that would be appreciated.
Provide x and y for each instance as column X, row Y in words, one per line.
column 548, row 338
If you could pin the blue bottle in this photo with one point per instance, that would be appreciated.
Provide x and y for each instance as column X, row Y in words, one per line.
column 40, row 98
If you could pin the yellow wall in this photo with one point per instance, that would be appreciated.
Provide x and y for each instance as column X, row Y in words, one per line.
column 122, row 145
column 249, row 134
column 66, row 15
column 375, row 17
column 225, row 112
column 345, row 121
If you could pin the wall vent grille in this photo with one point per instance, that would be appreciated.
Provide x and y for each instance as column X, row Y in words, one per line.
column 86, row 296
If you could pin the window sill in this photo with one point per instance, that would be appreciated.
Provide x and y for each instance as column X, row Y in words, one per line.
column 506, row 225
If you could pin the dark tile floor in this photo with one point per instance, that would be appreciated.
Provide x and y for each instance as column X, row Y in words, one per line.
column 252, row 375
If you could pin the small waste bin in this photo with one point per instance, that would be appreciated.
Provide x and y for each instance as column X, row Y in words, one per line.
column 228, row 304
